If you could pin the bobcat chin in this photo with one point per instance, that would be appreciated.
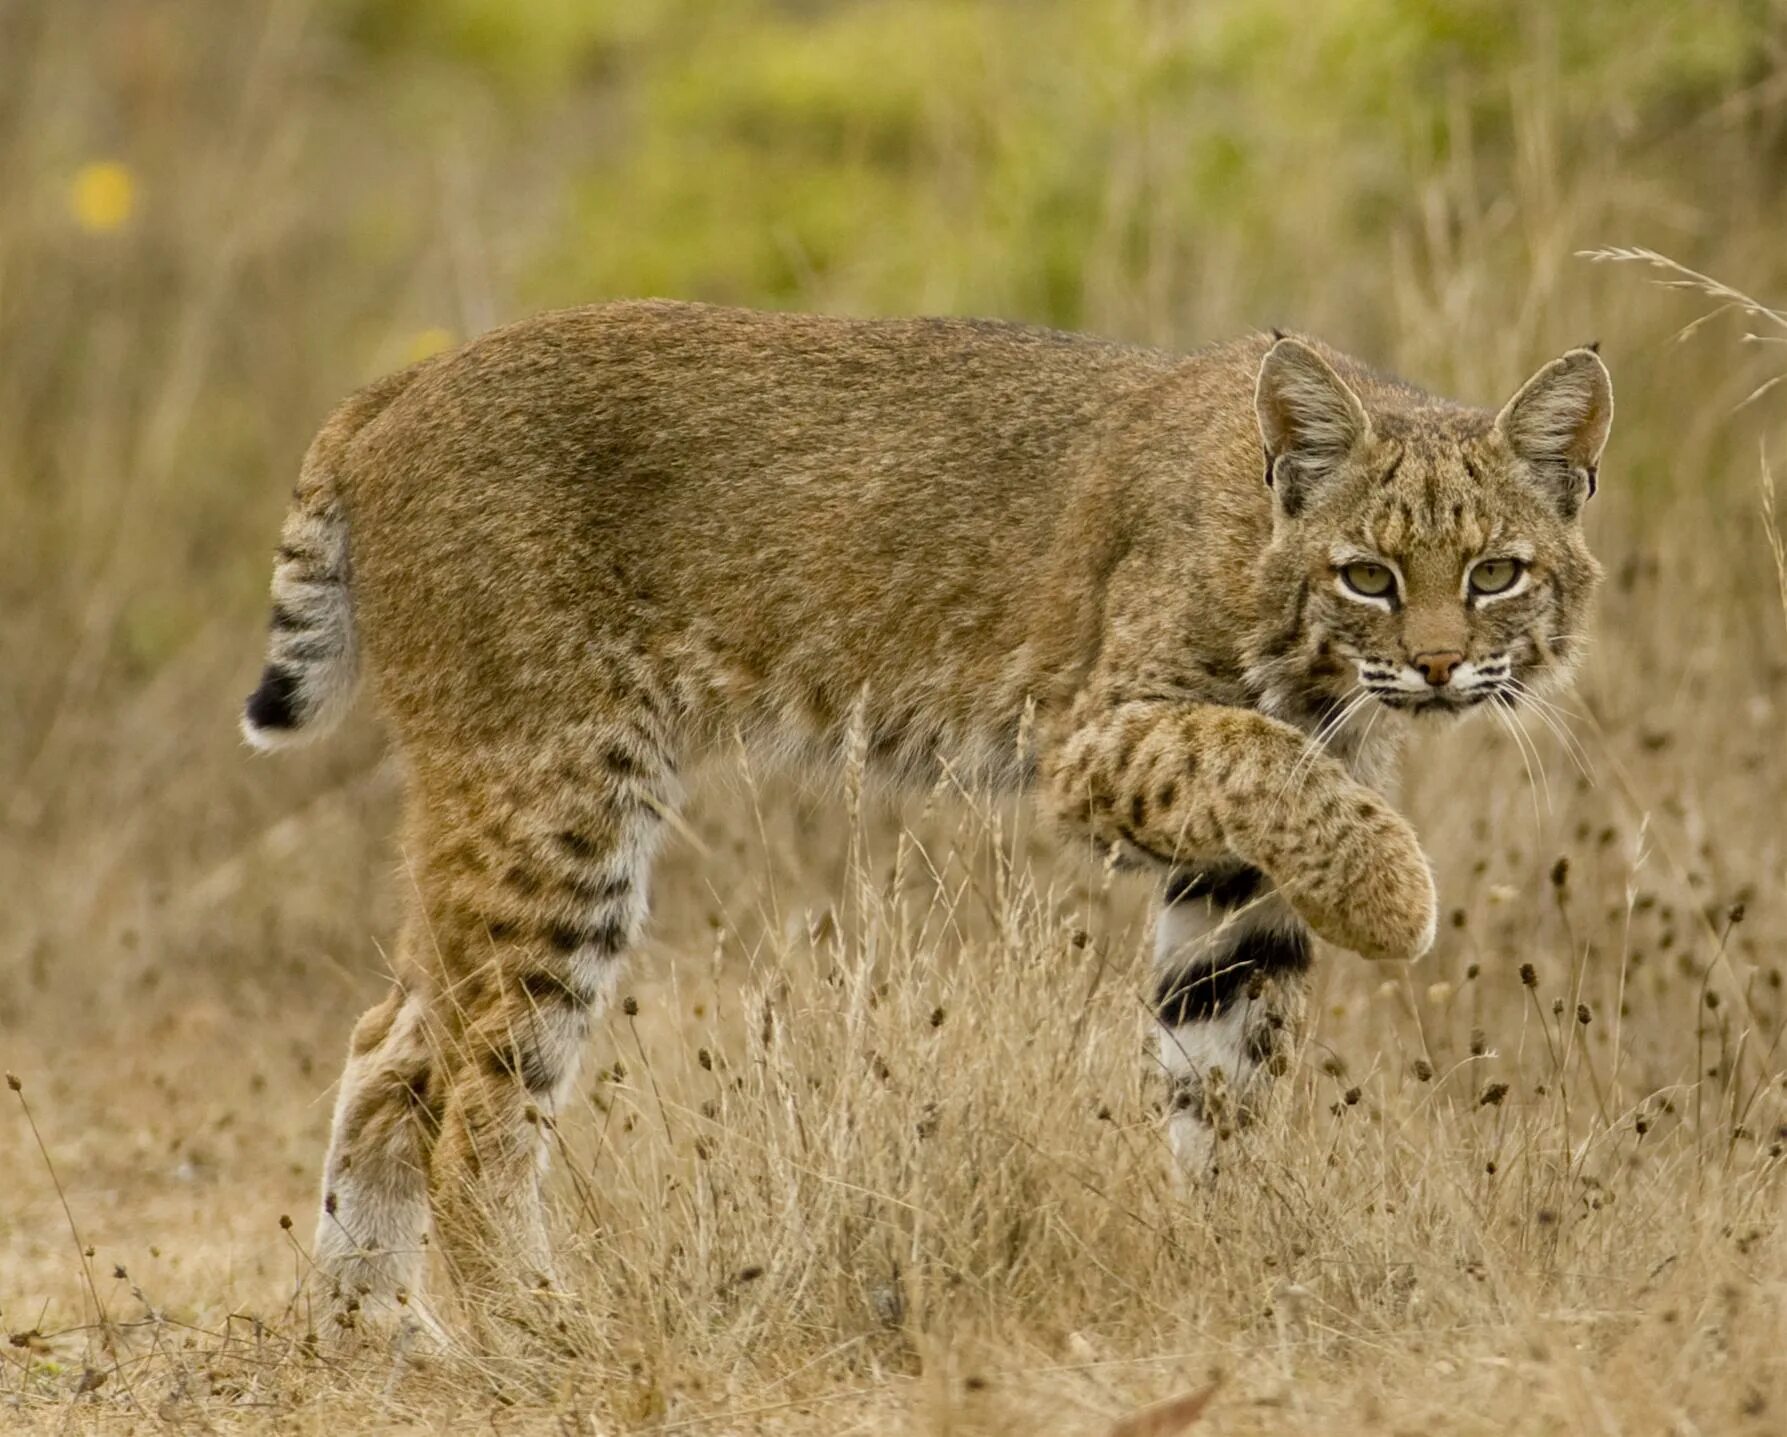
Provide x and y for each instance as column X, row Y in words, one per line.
column 580, row 551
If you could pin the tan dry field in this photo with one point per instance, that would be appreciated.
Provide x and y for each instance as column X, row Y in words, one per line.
column 878, row 1152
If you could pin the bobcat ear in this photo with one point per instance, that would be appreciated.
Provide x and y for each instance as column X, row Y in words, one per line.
column 1309, row 420
column 1558, row 423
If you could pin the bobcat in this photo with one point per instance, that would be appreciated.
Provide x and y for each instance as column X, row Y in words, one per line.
column 582, row 550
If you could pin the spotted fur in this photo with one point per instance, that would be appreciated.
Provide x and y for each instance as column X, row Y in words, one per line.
column 584, row 550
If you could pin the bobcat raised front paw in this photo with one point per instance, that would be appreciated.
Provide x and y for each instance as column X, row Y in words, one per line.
column 1371, row 890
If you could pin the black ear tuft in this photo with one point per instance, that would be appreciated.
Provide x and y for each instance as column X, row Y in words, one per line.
column 1277, row 334
column 1593, row 346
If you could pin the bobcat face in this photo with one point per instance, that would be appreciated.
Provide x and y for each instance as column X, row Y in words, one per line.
column 1448, row 577
column 1438, row 551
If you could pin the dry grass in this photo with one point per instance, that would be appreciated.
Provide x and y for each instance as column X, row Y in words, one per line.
column 877, row 1152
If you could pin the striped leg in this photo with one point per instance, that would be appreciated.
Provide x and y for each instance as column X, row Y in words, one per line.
column 1231, row 963
column 529, row 863
column 374, row 1219
column 539, row 931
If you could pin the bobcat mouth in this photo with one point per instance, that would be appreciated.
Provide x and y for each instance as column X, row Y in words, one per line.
column 1439, row 702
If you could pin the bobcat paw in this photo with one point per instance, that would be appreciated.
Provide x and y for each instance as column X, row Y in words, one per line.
column 1374, row 893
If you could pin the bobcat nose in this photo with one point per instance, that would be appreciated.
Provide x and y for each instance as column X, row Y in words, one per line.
column 1438, row 667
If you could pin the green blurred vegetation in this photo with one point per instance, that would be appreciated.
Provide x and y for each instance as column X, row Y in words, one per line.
column 974, row 153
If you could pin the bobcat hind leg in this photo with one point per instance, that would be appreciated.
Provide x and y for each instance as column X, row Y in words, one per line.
column 532, row 934
column 373, row 1224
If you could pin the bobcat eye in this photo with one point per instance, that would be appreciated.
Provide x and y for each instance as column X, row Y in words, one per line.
column 1374, row 581
column 1495, row 576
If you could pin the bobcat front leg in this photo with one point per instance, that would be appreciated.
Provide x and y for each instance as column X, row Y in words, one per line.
column 1184, row 783
column 1231, row 965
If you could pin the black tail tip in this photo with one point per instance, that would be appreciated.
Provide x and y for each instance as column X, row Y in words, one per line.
column 275, row 703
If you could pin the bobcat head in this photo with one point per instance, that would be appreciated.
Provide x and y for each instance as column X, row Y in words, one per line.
column 1434, row 552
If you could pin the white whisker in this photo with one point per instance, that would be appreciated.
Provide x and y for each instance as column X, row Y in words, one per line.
column 1329, row 729
column 1554, row 720
column 1504, row 716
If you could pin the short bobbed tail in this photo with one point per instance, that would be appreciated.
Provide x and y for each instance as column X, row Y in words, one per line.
column 313, row 651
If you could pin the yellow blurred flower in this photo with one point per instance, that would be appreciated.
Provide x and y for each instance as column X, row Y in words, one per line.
column 426, row 343
column 102, row 196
